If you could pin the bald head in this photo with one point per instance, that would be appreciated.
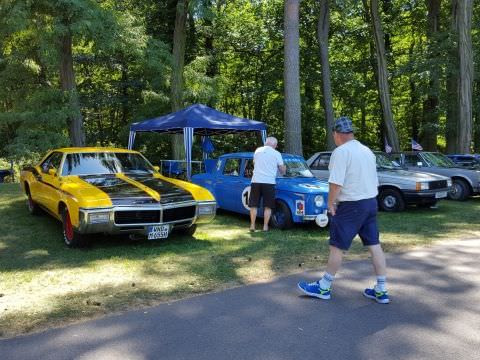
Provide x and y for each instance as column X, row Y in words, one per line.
column 271, row 141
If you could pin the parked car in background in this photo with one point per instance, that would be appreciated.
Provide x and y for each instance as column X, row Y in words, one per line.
column 466, row 182
column 114, row 191
column 300, row 197
column 469, row 161
column 397, row 187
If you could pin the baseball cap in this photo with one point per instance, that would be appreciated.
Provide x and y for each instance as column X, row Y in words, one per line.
column 343, row 125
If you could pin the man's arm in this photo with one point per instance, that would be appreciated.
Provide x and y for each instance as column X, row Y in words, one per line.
column 282, row 169
column 333, row 190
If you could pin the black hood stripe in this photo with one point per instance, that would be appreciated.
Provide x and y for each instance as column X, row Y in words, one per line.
column 168, row 192
column 122, row 192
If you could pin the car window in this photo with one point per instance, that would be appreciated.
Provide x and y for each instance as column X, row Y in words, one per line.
column 52, row 162
column 321, row 162
column 412, row 160
column 232, row 167
column 248, row 168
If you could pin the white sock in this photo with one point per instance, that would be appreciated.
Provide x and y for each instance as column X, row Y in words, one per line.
column 326, row 281
column 381, row 283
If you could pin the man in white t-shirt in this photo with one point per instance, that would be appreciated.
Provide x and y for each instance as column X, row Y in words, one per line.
column 267, row 161
column 352, row 204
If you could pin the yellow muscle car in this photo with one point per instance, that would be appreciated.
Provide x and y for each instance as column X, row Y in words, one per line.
column 114, row 191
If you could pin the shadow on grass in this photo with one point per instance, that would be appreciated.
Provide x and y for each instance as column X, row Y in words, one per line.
column 270, row 321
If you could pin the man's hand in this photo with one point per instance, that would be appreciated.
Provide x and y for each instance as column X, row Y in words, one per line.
column 333, row 190
column 332, row 209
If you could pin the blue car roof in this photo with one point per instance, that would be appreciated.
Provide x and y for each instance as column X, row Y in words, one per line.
column 249, row 155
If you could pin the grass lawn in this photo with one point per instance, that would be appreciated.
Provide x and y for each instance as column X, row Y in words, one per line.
column 43, row 283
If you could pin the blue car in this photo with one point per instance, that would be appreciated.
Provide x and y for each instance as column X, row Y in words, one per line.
column 469, row 161
column 300, row 197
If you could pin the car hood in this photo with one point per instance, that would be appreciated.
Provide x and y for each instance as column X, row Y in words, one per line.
column 409, row 175
column 120, row 189
column 302, row 185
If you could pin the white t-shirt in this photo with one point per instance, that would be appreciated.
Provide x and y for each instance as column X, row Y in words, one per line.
column 353, row 166
column 266, row 161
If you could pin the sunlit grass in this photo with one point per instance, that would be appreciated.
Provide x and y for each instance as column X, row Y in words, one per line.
column 43, row 283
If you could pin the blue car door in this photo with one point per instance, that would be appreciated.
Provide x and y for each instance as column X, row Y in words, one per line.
column 230, row 185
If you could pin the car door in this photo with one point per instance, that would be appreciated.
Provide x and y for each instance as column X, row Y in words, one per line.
column 49, row 184
column 319, row 166
column 229, row 184
column 245, row 184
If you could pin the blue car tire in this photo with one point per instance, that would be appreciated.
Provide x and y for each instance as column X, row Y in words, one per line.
column 281, row 216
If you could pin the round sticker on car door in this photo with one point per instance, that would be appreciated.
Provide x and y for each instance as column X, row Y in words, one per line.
column 245, row 197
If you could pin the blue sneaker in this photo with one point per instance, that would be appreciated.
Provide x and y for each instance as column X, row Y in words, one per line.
column 380, row 297
column 314, row 289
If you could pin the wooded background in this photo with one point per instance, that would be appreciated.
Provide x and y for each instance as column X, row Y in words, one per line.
column 75, row 72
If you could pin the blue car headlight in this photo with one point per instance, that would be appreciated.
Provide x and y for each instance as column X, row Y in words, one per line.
column 319, row 201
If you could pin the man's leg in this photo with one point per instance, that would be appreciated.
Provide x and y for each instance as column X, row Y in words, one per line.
column 334, row 260
column 378, row 260
column 253, row 217
column 267, row 213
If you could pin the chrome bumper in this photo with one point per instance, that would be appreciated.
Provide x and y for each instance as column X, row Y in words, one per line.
column 110, row 227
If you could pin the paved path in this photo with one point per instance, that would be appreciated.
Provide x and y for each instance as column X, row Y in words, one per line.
column 434, row 314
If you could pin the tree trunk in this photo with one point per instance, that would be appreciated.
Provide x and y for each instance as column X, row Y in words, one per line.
column 292, row 112
column 67, row 81
column 322, row 33
column 430, row 106
column 383, row 87
column 465, row 79
column 452, row 84
column 177, row 80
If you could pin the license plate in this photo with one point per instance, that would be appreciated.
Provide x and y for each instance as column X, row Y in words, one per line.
column 441, row 194
column 158, row 232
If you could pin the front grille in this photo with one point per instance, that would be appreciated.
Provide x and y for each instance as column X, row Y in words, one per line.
column 137, row 217
column 180, row 213
column 439, row 184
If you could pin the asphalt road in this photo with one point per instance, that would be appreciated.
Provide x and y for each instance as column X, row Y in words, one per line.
column 434, row 314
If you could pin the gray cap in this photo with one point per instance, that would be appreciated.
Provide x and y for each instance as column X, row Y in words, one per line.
column 343, row 125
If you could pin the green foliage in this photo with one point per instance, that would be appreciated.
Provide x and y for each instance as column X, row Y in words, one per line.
column 234, row 62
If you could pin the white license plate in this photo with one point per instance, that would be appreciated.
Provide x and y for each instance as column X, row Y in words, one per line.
column 441, row 194
column 158, row 232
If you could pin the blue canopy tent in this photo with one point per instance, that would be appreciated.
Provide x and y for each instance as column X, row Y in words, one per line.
column 197, row 119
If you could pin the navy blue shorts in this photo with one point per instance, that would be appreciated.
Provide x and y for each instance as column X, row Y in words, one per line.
column 352, row 218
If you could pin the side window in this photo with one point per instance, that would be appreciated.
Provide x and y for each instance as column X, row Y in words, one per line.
column 232, row 167
column 52, row 162
column 248, row 170
column 412, row 160
column 321, row 162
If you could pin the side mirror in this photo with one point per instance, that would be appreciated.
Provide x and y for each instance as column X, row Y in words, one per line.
column 156, row 168
column 52, row 172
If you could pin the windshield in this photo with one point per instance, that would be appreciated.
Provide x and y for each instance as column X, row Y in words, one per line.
column 385, row 163
column 437, row 159
column 297, row 168
column 98, row 163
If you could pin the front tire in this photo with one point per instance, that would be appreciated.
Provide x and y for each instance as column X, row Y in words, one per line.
column 391, row 200
column 460, row 190
column 281, row 216
column 71, row 238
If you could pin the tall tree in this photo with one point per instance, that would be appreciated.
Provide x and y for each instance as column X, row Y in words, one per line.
column 322, row 33
column 177, row 81
column 465, row 79
column 430, row 106
column 383, row 86
column 292, row 111
column 451, row 127
column 68, row 85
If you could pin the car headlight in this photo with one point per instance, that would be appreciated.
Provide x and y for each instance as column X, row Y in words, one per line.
column 421, row 186
column 449, row 182
column 206, row 209
column 319, row 201
column 99, row 218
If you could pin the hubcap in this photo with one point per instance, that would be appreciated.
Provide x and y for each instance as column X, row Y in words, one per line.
column 390, row 201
